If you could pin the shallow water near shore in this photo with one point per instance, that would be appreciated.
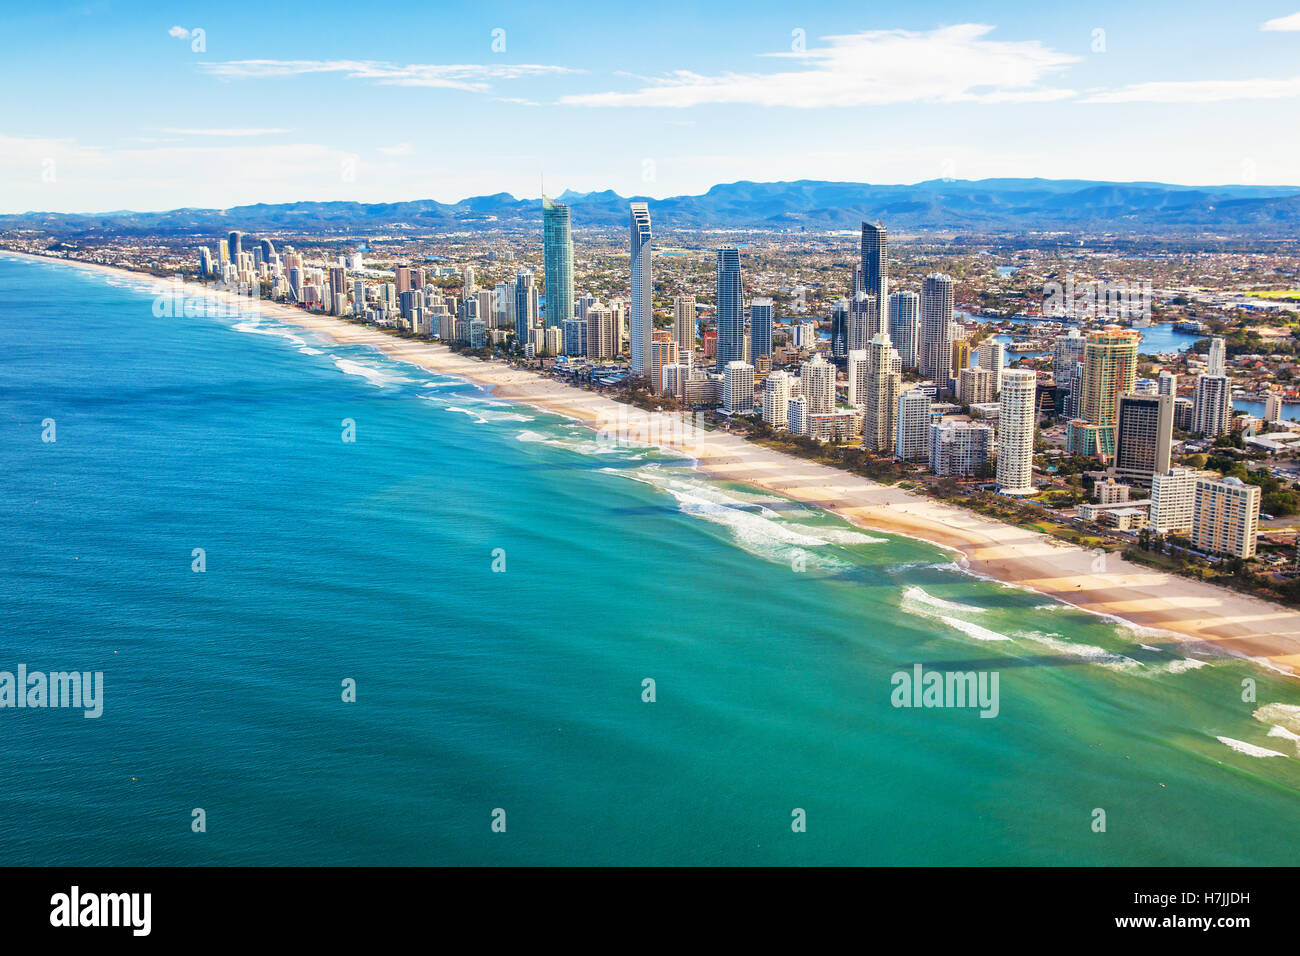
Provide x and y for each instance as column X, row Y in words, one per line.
column 772, row 631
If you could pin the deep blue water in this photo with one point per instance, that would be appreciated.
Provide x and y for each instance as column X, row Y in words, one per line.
column 373, row 561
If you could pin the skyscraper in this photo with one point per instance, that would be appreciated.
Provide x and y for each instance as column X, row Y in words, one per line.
column 776, row 399
column 738, row 388
column 992, row 355
column 684, row 328
column 961, row 449
column 875, row 267
column 761, row 317
column 643, row 320
column 904, row 329
column 663, row 352
column 1212, row 409
column 817, row 385
column 864, row 320
column 1225, row 519
column 1144, row 436
column 233, row 244
column 856, row 366
column 1109, row 371
column 884, row 381
column 937, row 302
column 1173, row 501
column 1016, row 414
column 557, row 258
column 1218, row 358
column 840, row 330
column 730, row 308
column 912, row 428
column 525, row 310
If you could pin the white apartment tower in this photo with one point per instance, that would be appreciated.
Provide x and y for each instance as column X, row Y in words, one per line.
column 912, row 439
column 1016, row 414
column 817, row 384
column 776, row 400
column 1173, row 501
column 738, row 388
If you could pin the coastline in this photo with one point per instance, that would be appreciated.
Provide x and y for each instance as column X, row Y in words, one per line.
column 1186, row 609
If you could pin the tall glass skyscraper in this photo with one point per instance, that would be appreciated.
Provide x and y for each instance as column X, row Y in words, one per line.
column 234, row 246
column 730, row 309
column 935, row 352
column 840, row 330
column 557, row 258
column 875, row 267
column 642, row 323
column 762, row 314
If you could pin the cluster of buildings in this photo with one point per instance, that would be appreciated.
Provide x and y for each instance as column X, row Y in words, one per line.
column 898, row 376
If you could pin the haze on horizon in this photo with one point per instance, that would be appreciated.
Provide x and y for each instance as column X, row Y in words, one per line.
column 303, row 103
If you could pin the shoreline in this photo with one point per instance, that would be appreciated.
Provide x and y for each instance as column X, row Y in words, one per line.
column 1174, row 608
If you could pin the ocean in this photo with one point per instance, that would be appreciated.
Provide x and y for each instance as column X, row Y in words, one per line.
column 499, row 586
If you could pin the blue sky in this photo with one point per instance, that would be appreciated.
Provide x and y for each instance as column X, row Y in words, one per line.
column 111, row 105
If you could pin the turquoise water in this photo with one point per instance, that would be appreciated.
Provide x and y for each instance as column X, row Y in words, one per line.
column 522, row 690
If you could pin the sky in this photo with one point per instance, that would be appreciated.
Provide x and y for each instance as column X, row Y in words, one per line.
column 151, row 106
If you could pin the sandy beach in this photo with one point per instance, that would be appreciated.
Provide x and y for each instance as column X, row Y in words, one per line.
column 1141, row 596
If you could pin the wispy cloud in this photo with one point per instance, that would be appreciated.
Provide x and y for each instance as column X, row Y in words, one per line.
column 236, row 131
column 1285, row 24
column 179, row 33
column 955, row 64
column 1199, row 91
column 471, row 77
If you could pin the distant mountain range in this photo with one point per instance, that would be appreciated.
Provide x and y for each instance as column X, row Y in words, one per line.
column 983, row 206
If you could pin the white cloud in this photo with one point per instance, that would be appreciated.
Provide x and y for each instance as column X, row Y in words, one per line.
column 472, row 77
column 1286, row 24
column 1199, row 91
column 179, row 33
column 237, row 131
column 399, row 149
column 955, row 64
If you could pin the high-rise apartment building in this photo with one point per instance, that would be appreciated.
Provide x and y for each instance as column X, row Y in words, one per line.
column 762, row 315
column 912, row 428
column 1144, row 436
column 557, row 258
column 1173, row 501
column 817, row 384
column 875, row 269
column 1109, row 371
column 1212, row 405
column 738, row 388
column 935, row 354
column 730, row 309
column 904, row 326
column 962, row 449
column 684, row 327
column 1017, row 407
column 643, row 320
column 1226, row 516
column 776, row 399
column 977, row 386
column 884, row 382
